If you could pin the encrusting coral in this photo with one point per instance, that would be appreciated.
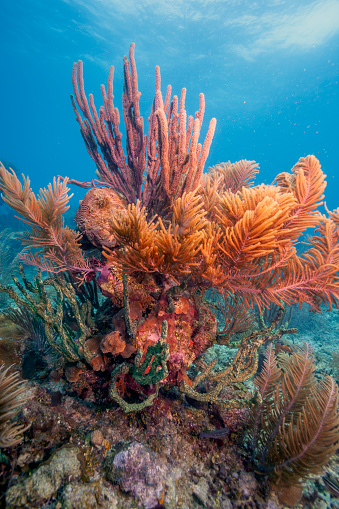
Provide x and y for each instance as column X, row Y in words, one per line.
column 164, row 233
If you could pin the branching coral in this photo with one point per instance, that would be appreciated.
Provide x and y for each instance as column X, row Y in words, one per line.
column 35, row 298
column 12, row 397
column 170, row 159
column 295, row 428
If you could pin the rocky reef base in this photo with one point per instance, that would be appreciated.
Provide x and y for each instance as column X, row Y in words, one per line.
column 77, row 455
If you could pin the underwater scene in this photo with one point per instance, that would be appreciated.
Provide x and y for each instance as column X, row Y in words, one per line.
column 169, row 254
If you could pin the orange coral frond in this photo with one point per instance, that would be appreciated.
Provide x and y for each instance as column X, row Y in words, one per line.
column 233, row 176
column 40, row 262
column 208, row 191
column 132, row 229
column 284, row 276
column 309, row 279
column 188, row 213
column 266, row 381
column 253, row 222
column 181, row 242
column 20, row 197
column 45, row 216
column 295, row 430
column 211, row 269
column 53, row 201
column 41, row 212
column 156, row 246
column 334, row 215
column 233, row 205
column 307, row 183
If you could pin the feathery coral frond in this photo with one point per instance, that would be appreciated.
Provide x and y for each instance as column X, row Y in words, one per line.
column 208, row 191
column 61, row 247
column 20, row 197
column 53, row 201
column 266, row 384
column 334, row 215
column 37, row 213
column 311, row 439
column 12, row 397
column 253, row 222
column 131, row 228
column 296, row 427
column 211, row 270
column 154, row 246
column 237, row 317
column 181, row 241
column 233, row 176
column 307, row 183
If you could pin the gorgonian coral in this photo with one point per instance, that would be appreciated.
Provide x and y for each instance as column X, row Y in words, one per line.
column 12, row 396
column 163, row 233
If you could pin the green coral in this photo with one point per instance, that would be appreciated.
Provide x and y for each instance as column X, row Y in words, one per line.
column 151, row 371
column 243, row 367
column 35, row 298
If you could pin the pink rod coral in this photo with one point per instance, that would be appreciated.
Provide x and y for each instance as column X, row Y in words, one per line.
column 157, row 168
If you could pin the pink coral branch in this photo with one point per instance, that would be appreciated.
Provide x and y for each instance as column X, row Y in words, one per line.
column 170, row 158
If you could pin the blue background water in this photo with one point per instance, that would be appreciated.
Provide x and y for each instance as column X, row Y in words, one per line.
column 269, row 72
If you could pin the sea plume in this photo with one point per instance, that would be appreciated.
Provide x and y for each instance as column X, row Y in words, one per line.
column 12, row 397
column 295, row 428
column 60, row 246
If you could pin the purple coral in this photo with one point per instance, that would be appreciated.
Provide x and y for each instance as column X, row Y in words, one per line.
column 138, row 470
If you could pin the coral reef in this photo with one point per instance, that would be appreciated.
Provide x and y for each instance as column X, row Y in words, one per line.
column 176, row 468
column 166, row 262
column 163, row 235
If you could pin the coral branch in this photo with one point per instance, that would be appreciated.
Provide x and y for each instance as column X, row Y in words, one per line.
column 167, row 160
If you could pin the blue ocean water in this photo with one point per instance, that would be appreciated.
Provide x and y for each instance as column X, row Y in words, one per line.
column 269, row 72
